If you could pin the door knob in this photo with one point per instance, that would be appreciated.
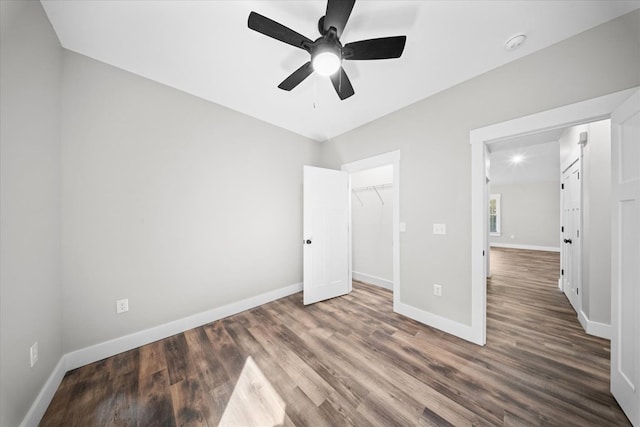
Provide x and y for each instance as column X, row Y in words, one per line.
column 308, row 241
column 568, row 241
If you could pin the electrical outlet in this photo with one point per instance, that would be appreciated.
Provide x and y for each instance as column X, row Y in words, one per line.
column 122, row 306
column 437, row 290
column 33, row 354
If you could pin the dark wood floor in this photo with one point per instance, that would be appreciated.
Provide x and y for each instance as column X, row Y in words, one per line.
column 351, row 361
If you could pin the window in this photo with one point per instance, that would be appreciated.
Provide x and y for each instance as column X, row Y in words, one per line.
column 494, row 215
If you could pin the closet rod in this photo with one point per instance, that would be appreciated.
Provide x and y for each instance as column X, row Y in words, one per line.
column 370, row 187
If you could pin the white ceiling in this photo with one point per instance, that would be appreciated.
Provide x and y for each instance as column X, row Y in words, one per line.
column 205, row 48
column 540, row 155
column 540, row 152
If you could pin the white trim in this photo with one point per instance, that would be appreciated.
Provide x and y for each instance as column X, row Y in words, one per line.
column 40, row 405
column 569, row 115
column 109, row 348
column 449, row 326
column 479, row 242
column 392, row 158
column 373, row 280
column 597, row 329
column 527, row 247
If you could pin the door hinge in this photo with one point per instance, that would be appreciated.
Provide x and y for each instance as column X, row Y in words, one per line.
column 578, row 231
column 577, row 291
column 562, row 272
column 482, row 253
column 562, row 228
column 562, row 186
column 578, row 175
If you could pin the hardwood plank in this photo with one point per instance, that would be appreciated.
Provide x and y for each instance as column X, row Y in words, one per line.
column 190, row 404
column 175, row 352
column 152, row 359
column 155, row 404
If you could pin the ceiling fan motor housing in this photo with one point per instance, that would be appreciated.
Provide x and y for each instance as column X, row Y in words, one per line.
column 327, row 43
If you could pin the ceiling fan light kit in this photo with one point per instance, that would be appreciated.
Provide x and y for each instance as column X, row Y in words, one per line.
column 326, row 63
column 327, row 53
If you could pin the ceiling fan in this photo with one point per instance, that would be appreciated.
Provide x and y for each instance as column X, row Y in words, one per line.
column 327, row 53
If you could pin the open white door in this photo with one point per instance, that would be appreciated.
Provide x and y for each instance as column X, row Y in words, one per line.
column 625, row 257
column 326, row 234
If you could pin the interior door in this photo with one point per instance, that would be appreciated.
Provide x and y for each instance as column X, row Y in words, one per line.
column 625, row 257
column 326, row 234
column 571, row 220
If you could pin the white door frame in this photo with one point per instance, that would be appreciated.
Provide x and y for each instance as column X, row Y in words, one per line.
column 391, row 158
column 581, row 112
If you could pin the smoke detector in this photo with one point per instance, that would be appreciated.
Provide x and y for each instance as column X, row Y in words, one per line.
column 515, row 42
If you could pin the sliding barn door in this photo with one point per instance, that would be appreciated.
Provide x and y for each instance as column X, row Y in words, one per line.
column 326, row 234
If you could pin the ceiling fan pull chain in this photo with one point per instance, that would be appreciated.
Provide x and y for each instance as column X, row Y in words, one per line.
column 315, row 90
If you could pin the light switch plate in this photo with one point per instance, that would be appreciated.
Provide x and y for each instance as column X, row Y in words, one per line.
column 439, row 229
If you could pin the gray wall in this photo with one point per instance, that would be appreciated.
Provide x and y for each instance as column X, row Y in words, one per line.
column 433, row 136
column 596, row 270
column 530, row 214
column 30, row 262
column 596, row 215
column 173, row 202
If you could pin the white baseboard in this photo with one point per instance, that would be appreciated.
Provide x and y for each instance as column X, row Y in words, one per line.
column 449, row 326
column 528, row 247
column 597, row 329
column 378, row 281
column 105, row 349
column 87, row 355
column 40, row 405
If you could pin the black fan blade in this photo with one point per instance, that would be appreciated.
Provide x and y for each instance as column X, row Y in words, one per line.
column 296, row 77
column 275, row 30
column 382, row 48
column 342, row 84
column 337, row 14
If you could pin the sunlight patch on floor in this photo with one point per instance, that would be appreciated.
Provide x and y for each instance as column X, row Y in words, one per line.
column 254, row 401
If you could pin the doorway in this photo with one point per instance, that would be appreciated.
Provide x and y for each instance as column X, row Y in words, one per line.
column 382, row 169
column 372, row 226
column 570, row 115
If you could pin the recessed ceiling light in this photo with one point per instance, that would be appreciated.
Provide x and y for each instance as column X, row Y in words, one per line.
column 515, row 42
